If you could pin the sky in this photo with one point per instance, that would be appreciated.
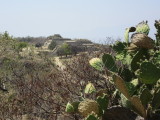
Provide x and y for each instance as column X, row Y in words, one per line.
column 91, row 19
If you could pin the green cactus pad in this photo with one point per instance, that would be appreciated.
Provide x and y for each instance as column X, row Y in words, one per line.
column 109, row 62
column 126, row 35
column 126, row 74
column 156, row 100
column 140, row 55
column 121, row 86
column 69, row 108
column 103, row 102
column 96, row 63
column 119, row 47
column 75, row 105
column 143, row 28
column 91, row 117
column 145, row 97
column 89, row 88
column 72, row 107
column 149, row 73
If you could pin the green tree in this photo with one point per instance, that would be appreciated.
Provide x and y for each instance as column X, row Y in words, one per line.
column 67, row 49
column 21, row 45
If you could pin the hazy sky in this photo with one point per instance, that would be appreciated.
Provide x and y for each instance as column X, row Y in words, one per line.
column 91, row 19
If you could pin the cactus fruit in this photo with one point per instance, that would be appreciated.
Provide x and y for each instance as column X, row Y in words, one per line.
column 96, row 63
column 89, row 88
column 87, row 106
column 121, row 86
column 143, row 27
column 137, row 106
column 109, row 62
column 149, row 73
column 142, row 41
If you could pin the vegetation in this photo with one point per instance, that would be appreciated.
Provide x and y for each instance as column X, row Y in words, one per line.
column 52, row 45
column 120, row 81
column 134, row 71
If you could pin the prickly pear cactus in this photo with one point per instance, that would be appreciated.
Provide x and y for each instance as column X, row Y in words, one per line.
column 72, row 107
column 143, row 27
column 87, row 106
column 141, row 40
column 156, row 100
column 138, row 107
column 89, row 88
column 69, row 108
column 119, row 47
column 138, row 57
column 96, row 63
column 109, row 62
column 121, row 86
column 103, row 102
column 92, row 116
column 157, row 26
column 126, row 34
column 149, row 73
column 145, row 97
column 126, row 74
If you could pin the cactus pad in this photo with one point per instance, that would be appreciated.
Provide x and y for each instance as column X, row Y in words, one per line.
column 109, row 62
column 91, row 117
column 69, row 108
column 150, row 74
column 142, row 41
column 121, row 86
column 96, row 63
column 103, row 101
column 87, row 106
column 156, row 100
column 138, row 107
column 145, row 97
column 89, row 88
column 143, row 27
